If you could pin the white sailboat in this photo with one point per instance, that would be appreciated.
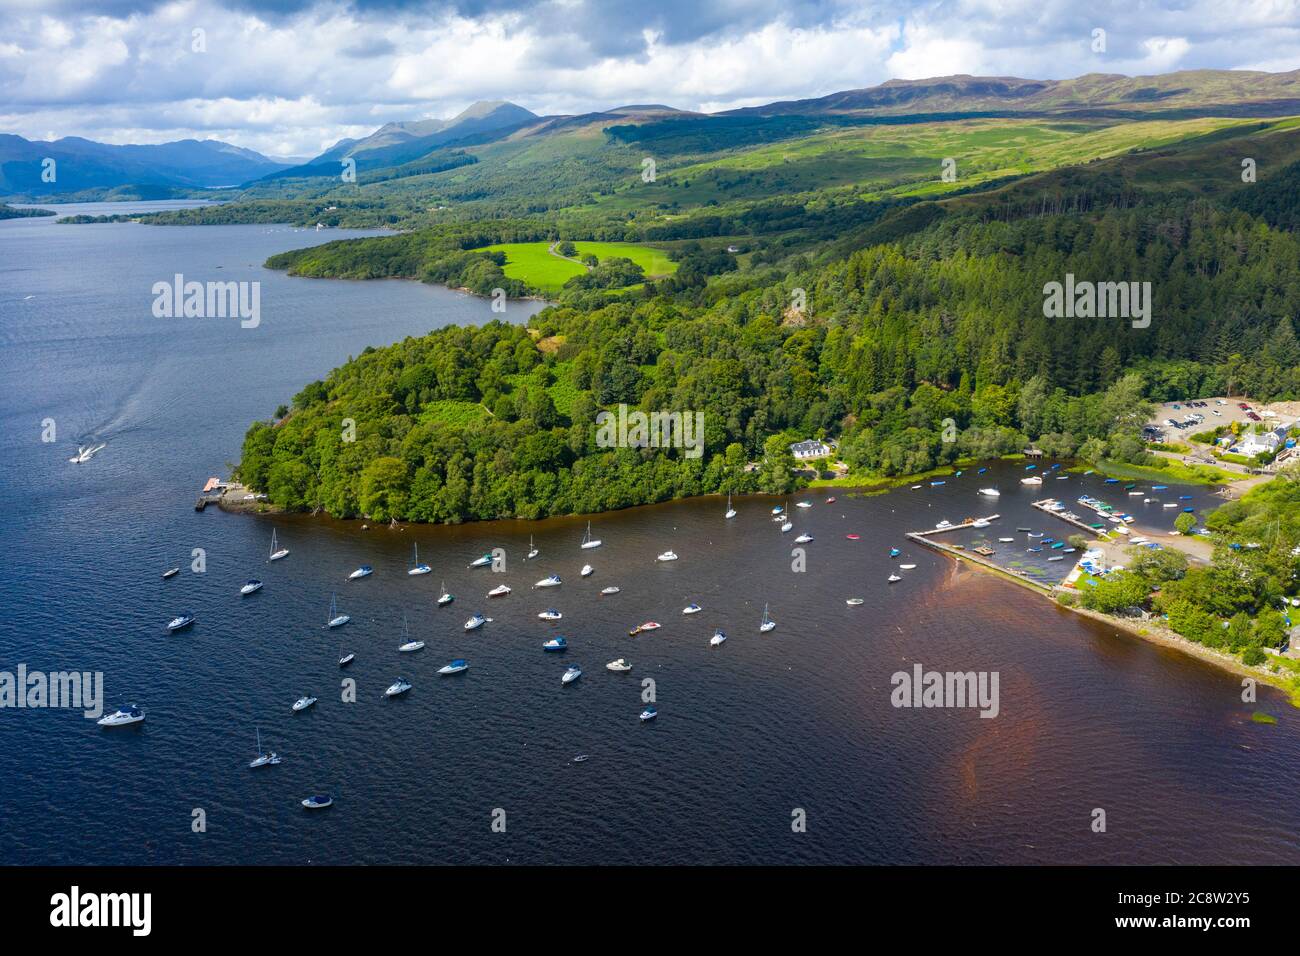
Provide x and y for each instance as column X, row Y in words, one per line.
column 767, row 623
column 263, row 759
column 416, row 566
column 276, row 552
column 731, row 512
column 532, row 549
column 588, row 541
column 407, row 644
column 336, row 619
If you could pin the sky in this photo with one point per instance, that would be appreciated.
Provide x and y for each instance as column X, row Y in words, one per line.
column 290, row 77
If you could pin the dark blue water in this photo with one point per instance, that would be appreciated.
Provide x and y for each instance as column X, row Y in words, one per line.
column 748, row 733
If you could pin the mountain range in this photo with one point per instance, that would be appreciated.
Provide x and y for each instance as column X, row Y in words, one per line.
column 406, row 149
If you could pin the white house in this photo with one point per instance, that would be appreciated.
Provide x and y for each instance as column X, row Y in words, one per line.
column 1269, row 441
column 808, row 450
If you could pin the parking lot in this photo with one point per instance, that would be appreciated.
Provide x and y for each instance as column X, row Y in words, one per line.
column 1216, row 411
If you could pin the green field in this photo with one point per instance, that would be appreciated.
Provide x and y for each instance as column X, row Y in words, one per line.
column 533, row 263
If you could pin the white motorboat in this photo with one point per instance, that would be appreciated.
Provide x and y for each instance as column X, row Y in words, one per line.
column 991, row 492
column 475, row 622
column 501, row 590
column 251, row 587
column 171, row 573
column 346, row 659
column 1031, row 480
column 398, row 687
column 482, row 561
column 787, row 526
column 612, row 589
column 318, row 802
column 620, row 666
column 649, row 713
column 263, row 759
column 277, row 552
column 853, row 602
column 647, row 626
column 85, row 453
column 550, row 614
column 980, row 523
column 455, row 667
column 572, row 674
column 943, row 525
column 1005, row 540
column 182, row 620
column 717, row 638
column 553, row 581
column 893, row 578
column 803, row 504
column 692, row 609
column 588, row 541
column 907, row 567
column 362, row 572
column 129, row 714
column 302, row 703
column 803, row 538
column 777, row 509
column 667, row 556
column 767, row 623
column 416, row 566
column 586, row 571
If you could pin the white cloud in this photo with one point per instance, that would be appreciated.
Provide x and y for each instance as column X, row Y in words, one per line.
column 293, row 83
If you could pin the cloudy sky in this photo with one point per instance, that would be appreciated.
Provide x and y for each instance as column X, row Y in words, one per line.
column 289, row 77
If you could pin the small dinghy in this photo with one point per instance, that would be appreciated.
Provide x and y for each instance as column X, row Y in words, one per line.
column 853, row 537
column 647, row 626
column 362, row 572
column 302, row 703
column 717, row 638
column 252, row 587
column 612, row 589
column 894, row 552
column 319, row 802
column 570, row 675
column 692, row 609
column 455, row 667
column 1005, row 540
column 853, row 602
column 907, row 567
column 346, row 659
column 620, row 666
